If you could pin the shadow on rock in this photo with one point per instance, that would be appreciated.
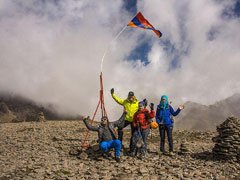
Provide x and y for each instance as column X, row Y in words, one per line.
column 208, row 156
column 93, row 153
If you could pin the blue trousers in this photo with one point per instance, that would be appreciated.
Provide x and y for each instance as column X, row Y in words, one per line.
column 116, row 144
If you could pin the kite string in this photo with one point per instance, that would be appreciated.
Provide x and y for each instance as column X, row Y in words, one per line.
column 110, row 45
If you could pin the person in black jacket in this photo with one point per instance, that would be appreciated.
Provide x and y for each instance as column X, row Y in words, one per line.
column 107, row 135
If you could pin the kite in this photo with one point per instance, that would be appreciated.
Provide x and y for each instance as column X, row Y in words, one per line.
column 140, row 22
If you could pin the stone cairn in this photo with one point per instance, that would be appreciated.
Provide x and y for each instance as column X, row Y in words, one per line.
column 227, row 145
column 41, row 117
column 184, row 148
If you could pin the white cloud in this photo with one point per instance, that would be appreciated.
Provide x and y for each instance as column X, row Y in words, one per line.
column 52, row 52
column 208, row 70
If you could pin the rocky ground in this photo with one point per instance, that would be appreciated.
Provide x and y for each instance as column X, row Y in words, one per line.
column 51, row 150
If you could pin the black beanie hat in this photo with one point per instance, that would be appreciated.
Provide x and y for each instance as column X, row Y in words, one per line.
column 131, row 93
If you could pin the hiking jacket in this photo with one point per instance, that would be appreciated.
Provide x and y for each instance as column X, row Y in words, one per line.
column 141, row 118
column 168, row 111
column 131, row 107
column 106, row 132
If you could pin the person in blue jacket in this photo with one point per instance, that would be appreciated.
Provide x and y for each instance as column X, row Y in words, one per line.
column 165, row 122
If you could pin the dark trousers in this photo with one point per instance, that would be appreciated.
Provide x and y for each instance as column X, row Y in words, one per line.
column 162, row 130
column 142, row 135
column 120, row 132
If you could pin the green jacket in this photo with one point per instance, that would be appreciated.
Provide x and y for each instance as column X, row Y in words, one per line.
column 131, row 107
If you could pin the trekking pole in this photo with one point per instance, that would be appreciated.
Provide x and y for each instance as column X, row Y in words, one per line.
column 140, row 135
column 151, row 132
column 150, row 127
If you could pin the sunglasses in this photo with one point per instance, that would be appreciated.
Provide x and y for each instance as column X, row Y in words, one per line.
column 104, row 119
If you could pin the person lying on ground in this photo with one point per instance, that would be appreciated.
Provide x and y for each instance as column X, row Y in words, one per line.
column 106, row 134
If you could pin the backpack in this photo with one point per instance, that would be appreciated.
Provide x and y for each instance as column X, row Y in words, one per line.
column 171, row 116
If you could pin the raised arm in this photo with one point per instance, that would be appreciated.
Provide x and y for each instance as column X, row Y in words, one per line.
column 151, row 114
column 90, row 127
column 174, row 113
column 118, row 100
column 119, row 122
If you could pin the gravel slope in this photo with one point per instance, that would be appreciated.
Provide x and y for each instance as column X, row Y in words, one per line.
column 50, row 150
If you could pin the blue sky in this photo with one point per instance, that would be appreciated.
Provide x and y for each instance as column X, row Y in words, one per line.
column 142, row 50
column 237, row 9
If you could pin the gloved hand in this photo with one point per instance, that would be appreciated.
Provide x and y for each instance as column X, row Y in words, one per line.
column 151, row 106
column 85, row 117
column 146, row 102
column 112, row 90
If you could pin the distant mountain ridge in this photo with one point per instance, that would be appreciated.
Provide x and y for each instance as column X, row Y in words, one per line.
column 15, row 108
column 196, row 116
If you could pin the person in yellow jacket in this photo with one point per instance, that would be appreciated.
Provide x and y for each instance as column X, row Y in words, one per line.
column 131, row 106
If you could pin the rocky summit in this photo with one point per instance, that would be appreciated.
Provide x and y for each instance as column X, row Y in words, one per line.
column 52, row 150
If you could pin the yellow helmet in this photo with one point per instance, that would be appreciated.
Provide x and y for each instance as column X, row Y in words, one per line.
column 154, row 125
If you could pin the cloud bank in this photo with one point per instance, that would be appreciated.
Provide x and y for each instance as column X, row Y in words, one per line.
column 50, row 52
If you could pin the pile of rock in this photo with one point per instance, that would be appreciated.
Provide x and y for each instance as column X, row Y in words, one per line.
column 227, row 145
column 37, row 117
column 41, row 117
column 184, row 148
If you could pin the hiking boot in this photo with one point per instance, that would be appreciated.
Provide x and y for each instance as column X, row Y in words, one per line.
column 160, row 153
column 132, row 154
column 117, row 158
column 129, row 152
column 107, row 155
column 142, row 156
column 143, row 152
column 123, row 148
column 172, row 154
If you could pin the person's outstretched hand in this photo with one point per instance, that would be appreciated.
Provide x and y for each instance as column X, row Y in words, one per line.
column 181, row 107
column 112, row 90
